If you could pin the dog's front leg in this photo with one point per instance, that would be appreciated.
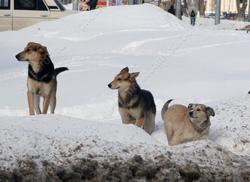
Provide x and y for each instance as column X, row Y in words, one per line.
column 37, row 103
column 126, row 117
column 139, row 122
column 46, row 104
column 31, row 102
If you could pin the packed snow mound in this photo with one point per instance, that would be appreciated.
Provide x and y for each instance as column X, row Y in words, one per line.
column 54, row 137
column 103, row 30
column 63, row 140
column 231, row 126
column 113, row 19
column 208, row 24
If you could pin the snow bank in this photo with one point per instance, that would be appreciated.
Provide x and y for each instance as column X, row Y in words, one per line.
column 208, row 24
column 111, row 20
column 63, row 141
column 55, row 138
column 231, row 127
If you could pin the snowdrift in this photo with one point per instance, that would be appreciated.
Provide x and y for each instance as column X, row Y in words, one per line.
column 34, row 144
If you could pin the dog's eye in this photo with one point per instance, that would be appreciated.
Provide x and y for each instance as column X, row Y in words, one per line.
column 119, row 79
column 34, row 49
column 27, row 50
column 198, row 109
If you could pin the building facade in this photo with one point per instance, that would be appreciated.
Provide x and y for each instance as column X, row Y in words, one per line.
column 228, row 6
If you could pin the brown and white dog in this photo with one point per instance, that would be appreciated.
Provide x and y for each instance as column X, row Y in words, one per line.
column 183, row 124
column 41, row 78
column 136, row 106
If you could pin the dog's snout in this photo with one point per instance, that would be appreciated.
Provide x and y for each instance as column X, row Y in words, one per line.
column 18, row 56
column 191, row 113
column 109, row 85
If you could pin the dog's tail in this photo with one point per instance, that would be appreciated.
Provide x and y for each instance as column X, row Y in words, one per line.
column 165, row 107
column 59, row 70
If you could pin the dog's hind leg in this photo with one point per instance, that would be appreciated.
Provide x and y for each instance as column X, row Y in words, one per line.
column 149, row 122
column 170, row 133
column 37, row 104
column 139, row 122
column 53, row 101
column 46, row 103
column 52, row 104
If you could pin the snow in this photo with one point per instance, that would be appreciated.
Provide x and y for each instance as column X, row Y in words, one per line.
column 224, row 24
column 203, row 64
column 53, row 138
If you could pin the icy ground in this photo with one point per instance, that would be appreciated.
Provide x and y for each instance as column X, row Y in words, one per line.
column 202, row 64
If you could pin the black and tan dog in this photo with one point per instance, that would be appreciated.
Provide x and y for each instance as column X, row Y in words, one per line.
column 136, row 106
column 41, row 78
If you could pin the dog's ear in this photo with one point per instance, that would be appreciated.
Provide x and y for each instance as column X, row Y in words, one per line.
column 134, row 75
column 210, row 111
column 124, row 70
column 45, row 50
column 29, row 43
column 190, row 106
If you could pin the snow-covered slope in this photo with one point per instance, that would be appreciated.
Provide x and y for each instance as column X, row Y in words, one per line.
column 188, row 64
column 55, row 138
column 64, row 141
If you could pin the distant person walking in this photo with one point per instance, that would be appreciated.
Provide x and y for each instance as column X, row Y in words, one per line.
column 86, row 5
column 171, row 10
column 192, row 17
column 92, row 4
